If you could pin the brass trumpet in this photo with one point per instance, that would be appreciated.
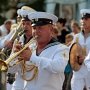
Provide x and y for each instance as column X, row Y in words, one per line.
column 4, row 64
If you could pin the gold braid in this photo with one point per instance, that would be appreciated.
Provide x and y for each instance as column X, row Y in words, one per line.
column 28, row 68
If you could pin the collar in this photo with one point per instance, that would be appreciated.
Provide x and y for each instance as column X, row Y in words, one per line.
column 52, row 42
column 25, row 39
column 83, row 33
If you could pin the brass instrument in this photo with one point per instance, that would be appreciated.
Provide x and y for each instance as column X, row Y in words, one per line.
column 4, row 55
column 5, row 52
column 4, row 64
column 76, row 51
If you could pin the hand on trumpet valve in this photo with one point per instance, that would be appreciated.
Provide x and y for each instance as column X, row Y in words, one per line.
column 26, row 54
column 17, row 47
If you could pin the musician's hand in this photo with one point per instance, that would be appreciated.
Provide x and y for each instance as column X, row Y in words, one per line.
column 8, row 44
column 17, row 47
column 26, row 54
column 80, row 59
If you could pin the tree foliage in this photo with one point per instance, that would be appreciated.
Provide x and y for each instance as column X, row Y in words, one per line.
column 38, row 5
column 8, row 4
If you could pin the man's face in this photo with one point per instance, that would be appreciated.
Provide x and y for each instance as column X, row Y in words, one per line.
column 85, row 23
column 27, row 26
column 44, row 33
column 74, row 28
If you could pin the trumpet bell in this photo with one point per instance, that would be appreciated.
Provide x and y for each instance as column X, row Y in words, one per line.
column 3, row 66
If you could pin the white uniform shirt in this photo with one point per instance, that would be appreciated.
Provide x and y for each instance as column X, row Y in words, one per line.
column 19, row 82
column 51, row 64
column 3, row 30
column 83, row 42
column 7, row 37
column 87, row 61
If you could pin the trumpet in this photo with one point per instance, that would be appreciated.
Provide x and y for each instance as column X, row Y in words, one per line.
column 4, row 64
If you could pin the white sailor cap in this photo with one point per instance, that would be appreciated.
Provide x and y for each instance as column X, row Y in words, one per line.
column 42, row 18
column 85, row 13
column 24, row 11
column 9, row 21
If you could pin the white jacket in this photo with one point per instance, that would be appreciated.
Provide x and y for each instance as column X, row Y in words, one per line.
column 3, row 30
column 83, row 72
column 51, row 64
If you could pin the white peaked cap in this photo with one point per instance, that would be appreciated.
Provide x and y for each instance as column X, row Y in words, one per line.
column 84, row 11
column 42, row 15
column 25, row 10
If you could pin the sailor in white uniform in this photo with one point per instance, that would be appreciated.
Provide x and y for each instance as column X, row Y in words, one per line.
column 48, row 61
column 7, row 40
column 26, row 25
column 87, row 61
column 81, row 77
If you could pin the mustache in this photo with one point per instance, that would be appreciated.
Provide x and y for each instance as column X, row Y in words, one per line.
column 25, row 30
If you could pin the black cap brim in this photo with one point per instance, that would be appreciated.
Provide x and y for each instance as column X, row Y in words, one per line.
column 85, row 16
column 41, row 22
column 25, row 19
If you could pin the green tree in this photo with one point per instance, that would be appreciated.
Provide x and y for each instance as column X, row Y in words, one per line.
column 3, row 6
column 8, row 4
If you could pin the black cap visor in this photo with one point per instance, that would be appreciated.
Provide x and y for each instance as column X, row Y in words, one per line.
column 85, row 16
column 41, row 22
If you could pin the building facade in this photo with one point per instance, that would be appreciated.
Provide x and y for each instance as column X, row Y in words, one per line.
column 70, row 9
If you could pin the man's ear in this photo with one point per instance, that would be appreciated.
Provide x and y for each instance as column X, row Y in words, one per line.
column 50, row 26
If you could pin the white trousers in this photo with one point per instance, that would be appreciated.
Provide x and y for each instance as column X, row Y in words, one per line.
column 9, row 86
column 79, row 84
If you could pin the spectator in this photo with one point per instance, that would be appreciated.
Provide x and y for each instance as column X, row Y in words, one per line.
column 75, row 27
column 62, row 29
column 68, row 39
